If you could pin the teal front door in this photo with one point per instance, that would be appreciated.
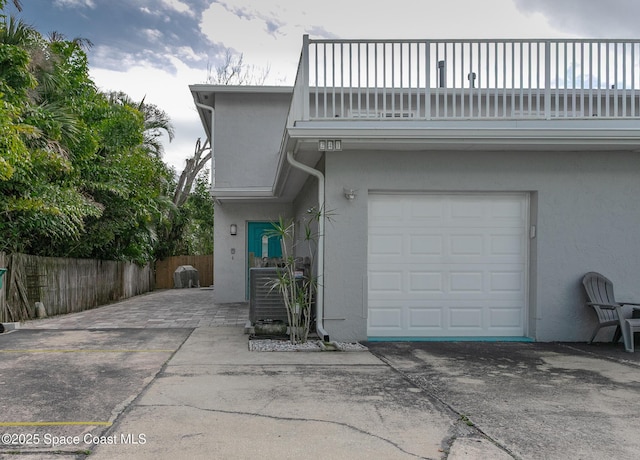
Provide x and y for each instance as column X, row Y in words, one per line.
column 261, row 245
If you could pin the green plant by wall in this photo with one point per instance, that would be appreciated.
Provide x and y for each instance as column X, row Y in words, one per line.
column 297, row 287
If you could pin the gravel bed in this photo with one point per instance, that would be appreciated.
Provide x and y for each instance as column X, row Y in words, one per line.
column 348, row 346
column 310, row 345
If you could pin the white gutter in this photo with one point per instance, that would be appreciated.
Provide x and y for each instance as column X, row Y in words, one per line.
column 210, row 135
column 213, row 155
column 210, row 109
column 324, row 335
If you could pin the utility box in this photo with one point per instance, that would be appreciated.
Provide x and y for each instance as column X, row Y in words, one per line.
column 186, row 276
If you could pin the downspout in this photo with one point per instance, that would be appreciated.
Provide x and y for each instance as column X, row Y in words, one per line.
column 213, row 158
column 324, row 335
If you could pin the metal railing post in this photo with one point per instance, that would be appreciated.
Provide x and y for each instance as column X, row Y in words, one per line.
column 541, row 78
column 547, row 80
column 304, row 69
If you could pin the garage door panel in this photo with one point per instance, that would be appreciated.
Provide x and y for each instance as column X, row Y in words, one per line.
column 386, row 318
column 466, row 317
column 506, row 208
column 454, row 280
column 421, row 282
column 442, row 321
column 421, row 211
column 466, row 245
column 386, row 281
column 425, row 318
column 466, row 208
column 432, row 245
column 385, row 244
column 385, row 209
column 465, row 282
column 447, row 265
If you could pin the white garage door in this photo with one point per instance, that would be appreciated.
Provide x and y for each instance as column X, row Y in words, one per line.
column 449, row 265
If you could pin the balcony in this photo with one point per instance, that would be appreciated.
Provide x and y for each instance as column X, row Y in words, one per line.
column 431, row 80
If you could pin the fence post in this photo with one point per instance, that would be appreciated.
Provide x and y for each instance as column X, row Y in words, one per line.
column 3, row 302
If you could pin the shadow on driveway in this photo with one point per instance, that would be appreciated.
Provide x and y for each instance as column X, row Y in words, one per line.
column 536, row 400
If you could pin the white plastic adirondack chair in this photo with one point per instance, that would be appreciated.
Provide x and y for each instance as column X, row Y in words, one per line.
column 610, row 313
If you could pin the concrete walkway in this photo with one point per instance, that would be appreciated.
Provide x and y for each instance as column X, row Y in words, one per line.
column 215, row 399
column 171, row 375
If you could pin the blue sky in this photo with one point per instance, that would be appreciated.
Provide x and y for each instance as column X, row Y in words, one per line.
column 156, row 48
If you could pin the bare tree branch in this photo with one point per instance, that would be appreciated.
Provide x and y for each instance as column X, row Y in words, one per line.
column 233, row 71
column 191, row 170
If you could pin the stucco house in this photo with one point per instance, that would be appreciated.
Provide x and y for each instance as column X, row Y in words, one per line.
column 472, row 183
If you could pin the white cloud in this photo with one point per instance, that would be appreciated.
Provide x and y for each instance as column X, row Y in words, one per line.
column 186, row 52
column 74, row 3
column 258, row 33
column 179, row 6
column 588, row 17
column 152, row 34
column 269, row 33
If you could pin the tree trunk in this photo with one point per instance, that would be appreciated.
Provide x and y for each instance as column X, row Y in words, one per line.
column 191, row 170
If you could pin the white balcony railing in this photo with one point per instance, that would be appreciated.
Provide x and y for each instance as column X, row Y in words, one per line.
column 466, row 79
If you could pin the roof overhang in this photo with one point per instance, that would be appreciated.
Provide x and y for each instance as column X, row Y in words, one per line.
column 462, row 135
column 204, row 95
column 480, row 135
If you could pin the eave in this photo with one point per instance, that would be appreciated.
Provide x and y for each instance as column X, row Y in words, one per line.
column 529, row 135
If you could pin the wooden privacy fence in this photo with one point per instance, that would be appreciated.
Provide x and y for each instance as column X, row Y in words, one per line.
column 66, row 285
column 166, row 267
column 3, row 302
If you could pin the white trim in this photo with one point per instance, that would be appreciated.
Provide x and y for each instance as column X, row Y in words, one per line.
column 206, row 88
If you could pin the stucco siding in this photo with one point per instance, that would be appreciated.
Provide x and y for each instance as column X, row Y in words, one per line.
column 230, row 252
column 305, row 203
column 247, row 136
column 584, row 206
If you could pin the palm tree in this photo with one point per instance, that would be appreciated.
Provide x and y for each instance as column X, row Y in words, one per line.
column 83, row 43
column 16, row 32
column 16, row 3
column 156, row 122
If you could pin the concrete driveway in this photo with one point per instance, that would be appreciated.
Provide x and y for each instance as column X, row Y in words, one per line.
column 65, row 380
column 169, row 375
column 216, row 399
column 57, row 384
column 551, row 401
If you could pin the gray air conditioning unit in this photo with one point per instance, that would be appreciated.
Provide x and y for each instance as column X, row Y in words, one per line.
column 265, row 304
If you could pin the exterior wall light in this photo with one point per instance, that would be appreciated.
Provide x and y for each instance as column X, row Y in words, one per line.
column 233, row 230
column 349, row 193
